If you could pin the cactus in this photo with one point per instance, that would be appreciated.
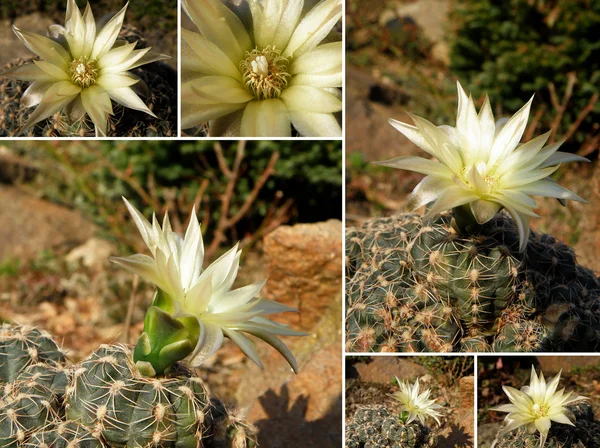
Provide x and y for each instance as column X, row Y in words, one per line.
column 372, row 427
column 64, row 434
column 110, row 396
column 23, row 346
column 585, row 433
column 415, row 285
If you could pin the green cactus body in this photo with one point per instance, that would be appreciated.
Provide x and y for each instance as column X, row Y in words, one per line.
column 64, row 434
column 375, row 427
column 422, row 286
column 22, row 346
column 107, row 394
column 585, row 433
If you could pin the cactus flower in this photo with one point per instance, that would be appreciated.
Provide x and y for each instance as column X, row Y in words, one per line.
column 204, row 296
column 82, row 68
column 482, row 166
column 262, row 80
column 417, row 406
column 536, row 406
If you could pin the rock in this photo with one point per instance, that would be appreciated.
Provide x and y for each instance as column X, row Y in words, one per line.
column 382, row 369
column 467, row 399
column 30, row 225
column 306, row 410
column 430, row 15
column 93, row 253
column 304, row 263
column 486, row 434
column 441, row 52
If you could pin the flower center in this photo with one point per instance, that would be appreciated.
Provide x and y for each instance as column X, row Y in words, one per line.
column 539, row 410
column 265, row 72
column 83, row 71
column 490, row 181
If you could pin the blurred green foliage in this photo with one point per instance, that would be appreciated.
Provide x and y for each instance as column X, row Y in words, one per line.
column 145, row 14
column 512, row 49
column 155, row 175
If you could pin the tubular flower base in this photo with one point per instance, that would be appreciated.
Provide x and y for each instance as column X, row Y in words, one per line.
column 197, row 306
column 536, row 406
column 261, row 81
column 82, row 68
column 481, row 167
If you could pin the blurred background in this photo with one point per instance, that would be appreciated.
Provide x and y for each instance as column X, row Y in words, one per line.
column 370, row 380
column 580, row 375
column 406, row 55
column 62, row 217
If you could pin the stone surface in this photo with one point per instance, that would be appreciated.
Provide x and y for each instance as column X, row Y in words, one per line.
column 551, row 365
column 306, row 410
column 304, row 263
column 11, row 47
column 382, row 369
column 93, row 253
column 430, row 15
column 30, row 225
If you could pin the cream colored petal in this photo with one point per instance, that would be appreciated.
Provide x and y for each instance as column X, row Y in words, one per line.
column 108, row 34
column 56, row 98
column 148, row 58
column 35, row 93
column 418, row 165
column 312, row 124
column 314, row 27
column 484, row 210
column 310, row 99
column 451, row 197
column 211, row 339
column 413, row 134
column 245, row 345
column 214, row 90
column 274, row 21
column 115, row 81
column 208, row 59
column 56, row 73
column 90, row 29
column 196, row 114
column 128, row 62
column 75, row 28
column 97, row 105
column 45, row 48
column 27, row 72
column 329, row 79
column 510, row 135
column 221, row 26
column 266, row 118
column 128, row 98
column 427, row 191
column 488, row 128
column 116, row 56
column 323, row 59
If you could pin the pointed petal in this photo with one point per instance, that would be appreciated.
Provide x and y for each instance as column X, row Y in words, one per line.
column 97, row 105
column 108, row 34
column 245, row 345
column 510, row 135
column 266, row 118
column 484, row 210
column 211, row 339
column 128, row 98
column 323, row 59
column 313, row 28
column 418, row 165
column 312, row 124
column 278, row 345
column 55, row 99
column 209, row 59
column 310, row 99
column 45, row 48
column 28, row 72
column 451, row 197
column 426, row 191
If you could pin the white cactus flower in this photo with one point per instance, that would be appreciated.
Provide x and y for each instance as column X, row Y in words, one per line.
column 260, row 81
column 176, row 269
column 481, row 164
column 418, row 406
column 82, row 68
column 536, row 406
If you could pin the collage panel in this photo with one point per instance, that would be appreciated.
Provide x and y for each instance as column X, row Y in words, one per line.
column 529, row 401
column 471, row 182
column 262, row 68
column 70, row 68
column 170, row 294
column 409, row 401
